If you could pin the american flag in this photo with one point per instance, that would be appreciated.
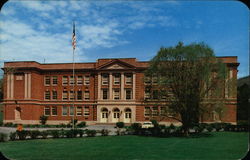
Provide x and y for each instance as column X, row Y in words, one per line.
column 74, row 37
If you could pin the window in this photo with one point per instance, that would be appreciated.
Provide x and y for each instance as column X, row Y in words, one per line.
column 46, row 111
column 79, row 80
column 47, row 80
column 147, row 94
column 155, row 111
column 105, row 94
column 128, row 113
column 54, row 80
column 116, row 94
column 86, row 80
column 71, row 95
column 79, row 95
column 147, row 80
column 116, row 113
column 128, row 79
column 65, row 95
column 71, row 111
column 163, row 111
column 86, row 111
column 86, row 95
column 128, row 94
column 47, row 95
column 79, row 111
column 155, row 94
column 147, row 111
column 104, row 113
column 65, row 111
column 54, row 111
column 105, row 79
column 65, row 80
column 117, row 79
column 71, row 80
column 54, row 94
column 155, row 80
column 163, row 94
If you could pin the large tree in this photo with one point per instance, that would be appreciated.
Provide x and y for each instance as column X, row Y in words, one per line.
column 191, row 80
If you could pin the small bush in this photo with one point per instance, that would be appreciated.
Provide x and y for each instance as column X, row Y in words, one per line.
column 44, row 134
column 155, row 123
column 22, row 135
column 91, row 133
column 43, row 119
column 104, row 132
column 136, row 127
column 81, row 124
column 80, row 132
column 13, row 136
column 1, row 123
column 34, row 134
column 120, row 124
column 3, row 137
column 55, row 133
column 71, row 133
column 209, row 128
column 9, row 124
column 62, row 125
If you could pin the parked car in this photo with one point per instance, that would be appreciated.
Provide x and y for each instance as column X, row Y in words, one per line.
column 147, row 125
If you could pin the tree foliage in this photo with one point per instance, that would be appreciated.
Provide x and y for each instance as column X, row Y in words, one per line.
column 186, row 76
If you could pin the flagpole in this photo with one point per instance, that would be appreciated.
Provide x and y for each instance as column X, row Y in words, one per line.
column 74, row 94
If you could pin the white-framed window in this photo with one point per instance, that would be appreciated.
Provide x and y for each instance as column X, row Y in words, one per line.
column 128, row 113
column 116, row 113
column 47, row 95
column 147, row 80
column 47, row 80
column 64, row 110
column 54, row 94
column 116, row 94
column 79, row 111
column 65, row 95
column 155, row 111
column 71, row 80
column 117, row 79
column 65, row 80
column 54, row 111
column 128, row 79
column 105, row 93
column 147, row 111
column 47, row 111
column 86, row 80
column 79, row 95
column 86, row 95
column 104, row 113
column 128, row 93
column 86, row 111
column 71, row 111
column 54, row 80
column 147, row 95
column 71, row 95
column 79, row 80
column 105, row 79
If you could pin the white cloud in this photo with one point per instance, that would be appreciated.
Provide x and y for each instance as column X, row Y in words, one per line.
column 38, row 5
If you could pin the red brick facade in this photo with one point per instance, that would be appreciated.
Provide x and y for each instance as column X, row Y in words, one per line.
column 107, row 91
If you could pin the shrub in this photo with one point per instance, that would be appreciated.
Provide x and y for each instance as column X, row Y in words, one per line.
column 43, row 119
column 91, row 133
column 71, row 133
column 9, row 124
column 172, row 127
column 13, row 136
column 22, row 135
column 63, row 125
column 120, row 124
column 81, row 124
column 55, row 133
column 80, row 132
column 155, row 123
column 209, row 128
column 34, row 134
column 1, row 123
column 104, row 132
column 44, row 134
column 136, row 127
column 3, row 137
column 217, row 126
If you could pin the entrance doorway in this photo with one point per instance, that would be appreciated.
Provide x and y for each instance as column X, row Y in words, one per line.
column 104, row 115
column 127, row 115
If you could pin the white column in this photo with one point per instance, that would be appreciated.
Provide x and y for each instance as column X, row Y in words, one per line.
column 25, row 86
column 134, row 85
column 122, row 85
column 12, row 86
column 99, row 86
column 110, row 86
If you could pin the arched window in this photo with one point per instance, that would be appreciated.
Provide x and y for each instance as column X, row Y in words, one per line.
column 128, row 113
column 116, row 113
column 104, row 113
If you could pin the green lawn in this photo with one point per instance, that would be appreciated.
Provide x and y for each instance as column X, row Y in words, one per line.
column 220, row 145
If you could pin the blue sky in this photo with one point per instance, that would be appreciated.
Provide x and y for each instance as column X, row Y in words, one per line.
column 42, row 30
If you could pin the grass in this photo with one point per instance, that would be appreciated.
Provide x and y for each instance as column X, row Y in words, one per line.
column 220, row 146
